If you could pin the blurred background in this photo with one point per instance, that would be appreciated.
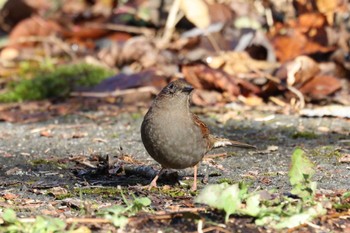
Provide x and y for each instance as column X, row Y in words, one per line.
column 287, row 56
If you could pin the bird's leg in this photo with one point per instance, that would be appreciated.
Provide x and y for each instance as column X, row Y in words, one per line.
column 194, row 185
column 154, row 181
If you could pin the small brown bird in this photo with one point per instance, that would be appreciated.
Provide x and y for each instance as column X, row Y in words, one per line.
column 174, row 136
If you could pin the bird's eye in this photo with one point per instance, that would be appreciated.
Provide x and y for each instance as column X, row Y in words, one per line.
column 171, row 86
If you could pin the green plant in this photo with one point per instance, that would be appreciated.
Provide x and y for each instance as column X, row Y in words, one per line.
column 49, row 83
column 279, row 212
column 118, row 215
column 41, row 224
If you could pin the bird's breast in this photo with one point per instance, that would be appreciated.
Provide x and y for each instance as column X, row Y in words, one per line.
column 173, row 139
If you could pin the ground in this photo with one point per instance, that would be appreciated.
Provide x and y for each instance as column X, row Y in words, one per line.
column 55, row 167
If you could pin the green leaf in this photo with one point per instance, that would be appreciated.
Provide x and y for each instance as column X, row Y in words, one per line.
column 142, row 201
column 47, row 224
column 252, row 206
column 301, row 169
column 115, row 215
column 300, row 174
column 346, row 195
column 118, row 220
column 280, row 221
column 301, row 218
column 221, row 196
column 9, row 216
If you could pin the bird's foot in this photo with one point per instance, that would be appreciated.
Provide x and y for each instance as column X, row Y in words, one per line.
column 153, row 184
column 194, row 187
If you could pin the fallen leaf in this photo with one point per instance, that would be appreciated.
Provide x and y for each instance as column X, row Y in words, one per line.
column 320, row 87
column 197, row 12
column 34, row 26
column 300, row 70
column 79, row 135
column 344, row 158
column 10, row 196
column 46, row 134
column 57, row 191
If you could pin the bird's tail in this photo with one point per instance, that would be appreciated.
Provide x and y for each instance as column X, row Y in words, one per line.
column 222, row 142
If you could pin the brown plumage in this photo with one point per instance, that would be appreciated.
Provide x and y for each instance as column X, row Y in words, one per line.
column 173, row 135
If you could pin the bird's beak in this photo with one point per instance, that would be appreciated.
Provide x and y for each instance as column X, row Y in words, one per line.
column 187, row 89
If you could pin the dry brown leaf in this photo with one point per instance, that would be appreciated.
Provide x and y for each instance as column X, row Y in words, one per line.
column 307, row 21
column 295, row 44
column 305, row 35
column 9, row 54
column 10, row 196
column 204, row 77
column 46, row 133
column 57, row 191
column 345, row 158
column 84, row 31
column 206, row 98
column 251, row 100
column 12, row 12
column 328, row 8
column 238, row 62
column 300, row 70
column 34, row 26
column 320, row 87
column 197, row 12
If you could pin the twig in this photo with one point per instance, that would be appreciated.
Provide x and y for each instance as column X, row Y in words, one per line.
column 124, row 28
column 313, row 225
column 180, row 211
column 71, row 220
column 171, row 22
column 298, row 94
column 214, row 43
column 115, row 93
column 200, row 226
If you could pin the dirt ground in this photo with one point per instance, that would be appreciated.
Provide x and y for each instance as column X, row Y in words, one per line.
column 98, row 153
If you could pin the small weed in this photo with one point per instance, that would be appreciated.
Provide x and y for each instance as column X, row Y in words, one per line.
column 280, row 212
column 305, row 135
column 42, row 224
column 118, row 215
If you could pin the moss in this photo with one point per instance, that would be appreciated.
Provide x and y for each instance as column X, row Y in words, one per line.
column 54, row 163
column 273, row 138
column 305, row 135
column 104, row 192
column 36, row 162
column 226, row 180
column 326, row 151
column 270, row 174
column 115, row 135
column 64, row 196
column 50, row 83
column 174, row 192
column 341, row 206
